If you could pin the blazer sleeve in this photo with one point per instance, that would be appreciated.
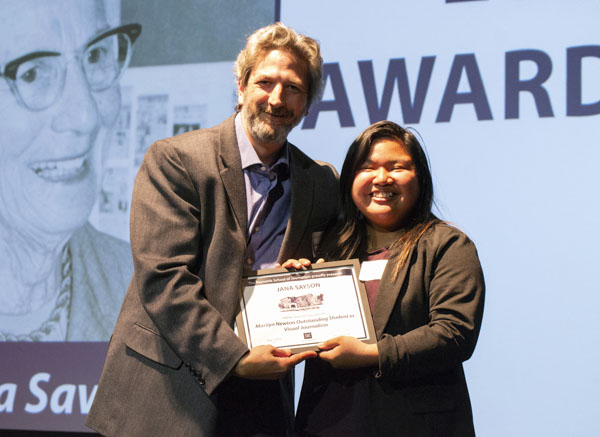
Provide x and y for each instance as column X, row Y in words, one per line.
column 167, row 251
column 453, row 289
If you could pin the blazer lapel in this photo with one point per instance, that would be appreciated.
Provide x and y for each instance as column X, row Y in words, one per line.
column 300, row 209
column 232, row 174
column 389, row 289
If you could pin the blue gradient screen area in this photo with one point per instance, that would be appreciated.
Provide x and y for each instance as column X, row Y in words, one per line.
column 506, row 98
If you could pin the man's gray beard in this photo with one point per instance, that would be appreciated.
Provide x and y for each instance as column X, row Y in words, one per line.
column 264, row 132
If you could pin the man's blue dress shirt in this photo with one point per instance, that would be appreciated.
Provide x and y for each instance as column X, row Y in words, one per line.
column 268, row 194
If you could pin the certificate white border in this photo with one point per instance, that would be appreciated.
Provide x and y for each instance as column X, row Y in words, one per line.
column 362, row 324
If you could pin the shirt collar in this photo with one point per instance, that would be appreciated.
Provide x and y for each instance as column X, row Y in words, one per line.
column 247, row 152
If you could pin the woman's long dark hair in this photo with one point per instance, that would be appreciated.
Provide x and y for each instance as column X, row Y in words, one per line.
column 349, row 238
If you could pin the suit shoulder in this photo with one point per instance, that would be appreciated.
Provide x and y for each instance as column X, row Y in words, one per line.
column 442, row 234
column 446, row 229
column 322, row 168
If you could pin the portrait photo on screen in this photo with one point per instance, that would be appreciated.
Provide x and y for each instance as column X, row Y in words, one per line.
column 86, row 87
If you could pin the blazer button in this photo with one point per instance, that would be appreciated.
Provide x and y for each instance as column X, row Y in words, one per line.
column 201, row 381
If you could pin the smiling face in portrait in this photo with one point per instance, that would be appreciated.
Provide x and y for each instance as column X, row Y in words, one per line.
column 386, row 187
column 50, row 158
column 274, row 100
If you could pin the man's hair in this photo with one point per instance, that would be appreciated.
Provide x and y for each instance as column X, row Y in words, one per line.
column 278, row 36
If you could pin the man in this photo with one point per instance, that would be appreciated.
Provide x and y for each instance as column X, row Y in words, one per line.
column 207, row 206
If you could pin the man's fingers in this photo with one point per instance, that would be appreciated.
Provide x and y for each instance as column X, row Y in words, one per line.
column 301, row 264
column 297, row 264
column 281, row 353
column 291, row 264
column 301, row 356
column 328, row 344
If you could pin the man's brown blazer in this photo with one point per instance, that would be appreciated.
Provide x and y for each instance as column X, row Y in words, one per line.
column 169, row 363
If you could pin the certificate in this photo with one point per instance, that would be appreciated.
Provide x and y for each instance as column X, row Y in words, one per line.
column 300, row 309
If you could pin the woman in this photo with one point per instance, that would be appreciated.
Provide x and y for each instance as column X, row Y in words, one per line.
column 426, row 294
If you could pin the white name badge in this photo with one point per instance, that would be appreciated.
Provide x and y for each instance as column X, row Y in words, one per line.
column 372, row 270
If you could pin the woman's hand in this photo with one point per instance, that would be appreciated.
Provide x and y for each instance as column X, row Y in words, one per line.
column 298, row 264
column 349, row 353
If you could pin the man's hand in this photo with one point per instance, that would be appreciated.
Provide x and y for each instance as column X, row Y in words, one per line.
column 349, row 353
column 298, row 264
column 268, row 362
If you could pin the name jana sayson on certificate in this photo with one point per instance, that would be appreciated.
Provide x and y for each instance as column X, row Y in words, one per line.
column 298, row 310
